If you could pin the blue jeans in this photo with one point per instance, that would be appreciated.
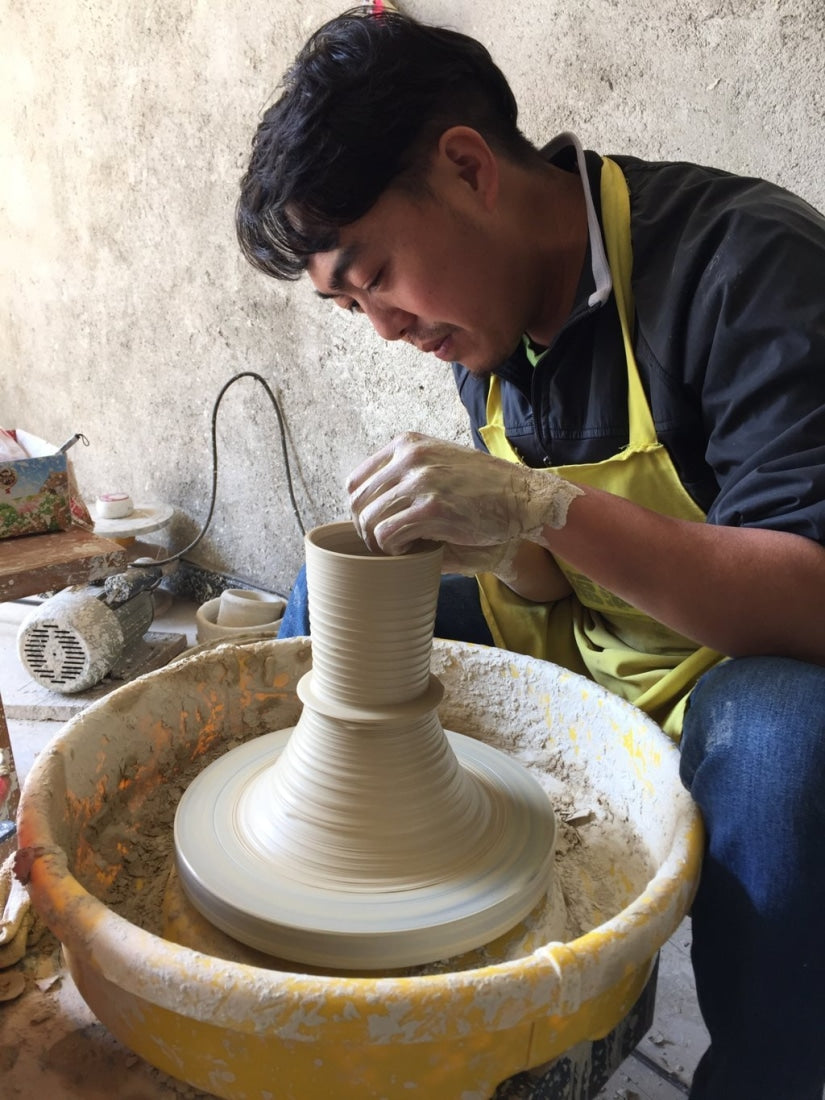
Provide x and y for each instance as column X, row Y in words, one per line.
column 753, row 758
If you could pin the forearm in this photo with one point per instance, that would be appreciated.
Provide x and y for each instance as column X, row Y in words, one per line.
column 534, row 575
column 737, row 590
column 525, row 567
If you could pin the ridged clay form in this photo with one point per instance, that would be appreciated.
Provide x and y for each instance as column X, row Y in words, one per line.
column 366, row 836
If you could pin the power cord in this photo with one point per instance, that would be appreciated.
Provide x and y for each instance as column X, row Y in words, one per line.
column 215, row 407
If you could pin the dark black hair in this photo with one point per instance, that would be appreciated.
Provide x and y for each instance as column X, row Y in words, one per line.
column 362, row 107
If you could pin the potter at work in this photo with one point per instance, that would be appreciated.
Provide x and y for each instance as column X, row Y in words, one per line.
column 639, row 347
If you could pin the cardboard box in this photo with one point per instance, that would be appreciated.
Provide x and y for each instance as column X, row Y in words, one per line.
column 34, row 492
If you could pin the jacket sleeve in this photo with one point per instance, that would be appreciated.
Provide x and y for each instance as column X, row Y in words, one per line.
column 747, row 336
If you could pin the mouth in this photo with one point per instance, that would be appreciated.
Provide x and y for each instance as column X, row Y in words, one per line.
column 439, row 348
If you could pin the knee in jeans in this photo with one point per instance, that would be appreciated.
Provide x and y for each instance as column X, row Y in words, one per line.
column 753, row 712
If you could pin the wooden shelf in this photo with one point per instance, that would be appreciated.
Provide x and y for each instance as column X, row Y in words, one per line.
column 39, row 563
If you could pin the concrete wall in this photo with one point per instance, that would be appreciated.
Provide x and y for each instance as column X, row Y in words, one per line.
column 124, row 127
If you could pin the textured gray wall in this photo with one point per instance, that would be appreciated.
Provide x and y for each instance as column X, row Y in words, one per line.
column 124, row 128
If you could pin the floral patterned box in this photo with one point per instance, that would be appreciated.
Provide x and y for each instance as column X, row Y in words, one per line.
column 34, row 492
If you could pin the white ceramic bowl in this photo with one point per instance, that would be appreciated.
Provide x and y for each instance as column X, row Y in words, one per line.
column 209, row 630
column 245, row 607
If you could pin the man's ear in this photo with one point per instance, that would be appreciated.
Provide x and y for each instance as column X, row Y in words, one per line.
column 467, row 157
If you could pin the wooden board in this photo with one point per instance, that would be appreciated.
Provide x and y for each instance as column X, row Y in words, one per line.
column 41, row 563
column 9, row 792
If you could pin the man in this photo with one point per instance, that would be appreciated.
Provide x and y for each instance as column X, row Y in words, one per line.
column 641, row 350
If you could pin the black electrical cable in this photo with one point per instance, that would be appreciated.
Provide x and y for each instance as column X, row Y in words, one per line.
column 215, row 407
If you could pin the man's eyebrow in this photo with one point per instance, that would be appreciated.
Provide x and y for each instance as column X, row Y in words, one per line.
column 345, row 260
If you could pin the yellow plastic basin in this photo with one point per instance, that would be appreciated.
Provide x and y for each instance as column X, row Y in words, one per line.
column 244, row 1032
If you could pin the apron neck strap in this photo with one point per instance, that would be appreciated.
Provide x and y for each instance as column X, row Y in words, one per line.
column 616, row 222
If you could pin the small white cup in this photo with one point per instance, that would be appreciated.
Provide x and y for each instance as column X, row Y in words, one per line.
column 242, row 607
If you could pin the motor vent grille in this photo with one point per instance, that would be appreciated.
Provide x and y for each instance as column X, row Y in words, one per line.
column 55, row 656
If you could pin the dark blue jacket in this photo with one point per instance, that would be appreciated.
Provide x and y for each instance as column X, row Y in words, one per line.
column 729, row 288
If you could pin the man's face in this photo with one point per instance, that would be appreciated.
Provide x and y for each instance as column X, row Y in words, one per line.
column 427, row 270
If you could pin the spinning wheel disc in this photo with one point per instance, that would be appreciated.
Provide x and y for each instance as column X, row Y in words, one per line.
column 237, row 879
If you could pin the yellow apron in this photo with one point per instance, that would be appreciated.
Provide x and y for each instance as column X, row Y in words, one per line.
column 593, row 631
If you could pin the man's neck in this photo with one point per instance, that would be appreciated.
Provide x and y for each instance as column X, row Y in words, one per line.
column 557, row 216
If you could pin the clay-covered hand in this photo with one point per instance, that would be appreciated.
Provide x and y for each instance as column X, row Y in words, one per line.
column 418, row 488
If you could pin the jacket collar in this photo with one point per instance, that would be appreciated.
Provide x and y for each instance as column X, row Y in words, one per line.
column 602, row 281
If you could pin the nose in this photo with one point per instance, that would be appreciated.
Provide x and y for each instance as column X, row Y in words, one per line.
column 390, row 323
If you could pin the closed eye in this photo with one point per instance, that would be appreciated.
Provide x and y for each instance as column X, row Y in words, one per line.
column 352, row 306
